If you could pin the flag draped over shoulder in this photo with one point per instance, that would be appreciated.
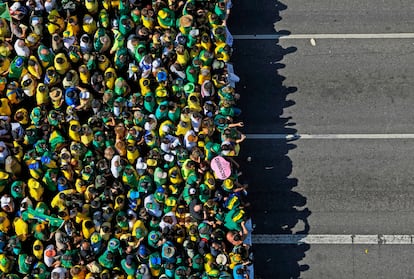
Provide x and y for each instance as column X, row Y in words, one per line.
column 4, row 11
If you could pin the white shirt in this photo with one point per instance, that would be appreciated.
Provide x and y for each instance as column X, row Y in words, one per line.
column 164, row 224
column 165, row 147
column 6, row 201
column 181, row 74
column 155, row 210
column 115, row 163
column 21, row 51
column 68, row 41
column 85, row 47
column 195, row 123
column 146, row 68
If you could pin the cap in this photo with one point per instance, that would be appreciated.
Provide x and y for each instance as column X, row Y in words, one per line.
column 151, row 162
column 142, row 251
column 171, row 201
column 140, row 164
column 221, row 259
column 189, row 88
column 50, row 251
column 228, row 184
column 169, row 157
column 168, row 251
column 162, row 14
column 162, row 76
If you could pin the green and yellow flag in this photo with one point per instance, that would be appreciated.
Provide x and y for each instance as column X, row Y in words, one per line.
column 4, row 11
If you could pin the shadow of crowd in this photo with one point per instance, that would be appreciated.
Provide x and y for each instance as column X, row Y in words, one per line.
column 276, row 207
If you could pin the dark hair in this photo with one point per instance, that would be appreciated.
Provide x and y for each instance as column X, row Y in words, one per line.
column 85, row 39
column 60, row 60
column 240, row 271
column 27, row 82
column 237, row 237
column 69, row 76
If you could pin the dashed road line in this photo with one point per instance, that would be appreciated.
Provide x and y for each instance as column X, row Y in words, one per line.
column 324, row 36
column 328, row 136
column 350, row 239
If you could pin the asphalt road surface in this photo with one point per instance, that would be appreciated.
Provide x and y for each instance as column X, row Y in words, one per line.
column 328, row 187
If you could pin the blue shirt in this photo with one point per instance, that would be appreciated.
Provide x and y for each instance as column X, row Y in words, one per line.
column 238, row 276
column 71, row 100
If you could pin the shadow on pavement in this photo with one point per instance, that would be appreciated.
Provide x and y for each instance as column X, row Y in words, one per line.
column 276, row 207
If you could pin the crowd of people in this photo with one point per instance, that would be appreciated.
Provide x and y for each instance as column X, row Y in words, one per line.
column 111, row 113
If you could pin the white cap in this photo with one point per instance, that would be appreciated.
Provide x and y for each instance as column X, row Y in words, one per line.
column 162, row 174
column 169, row 157
column 194, row 32
column 15, row 6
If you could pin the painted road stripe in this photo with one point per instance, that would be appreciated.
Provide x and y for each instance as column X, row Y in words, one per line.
column 332, row 239
column 325, row 36
column 329, row 136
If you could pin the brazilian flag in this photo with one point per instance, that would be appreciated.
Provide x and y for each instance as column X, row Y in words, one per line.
column 4, row 11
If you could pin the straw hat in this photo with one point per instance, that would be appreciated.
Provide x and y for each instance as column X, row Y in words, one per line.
column 186, row 21
column 168, row 251
column 55, row 94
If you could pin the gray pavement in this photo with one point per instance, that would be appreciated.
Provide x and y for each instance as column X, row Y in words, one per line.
column 336, row 261
column 322, row 16
column 337, row 86
column 353, row 16
column 365, row 84
column 349, row 186
column 360, row 261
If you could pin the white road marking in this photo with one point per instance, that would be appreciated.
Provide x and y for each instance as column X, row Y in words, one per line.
column 332, row 239
column 329, row 136
column 325, row 36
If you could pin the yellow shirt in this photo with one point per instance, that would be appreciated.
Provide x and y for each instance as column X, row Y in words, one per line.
column 4, row 107
column 183, row 58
